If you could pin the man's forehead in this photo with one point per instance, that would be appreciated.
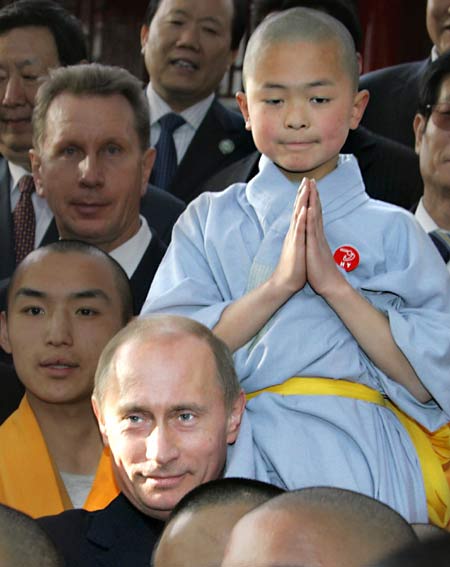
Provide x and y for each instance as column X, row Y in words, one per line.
column 219, row 10
column 28, row 42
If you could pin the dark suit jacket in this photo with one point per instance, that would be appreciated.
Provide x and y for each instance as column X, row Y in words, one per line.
column 146, row 270
column 394, row 98
column 390, row 170
column 220, row 140
column 159, row 208
column 116, row 536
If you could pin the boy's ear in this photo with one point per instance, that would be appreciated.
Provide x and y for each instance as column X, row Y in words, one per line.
column 241, row 98
column 359, row 106
column 419, row 124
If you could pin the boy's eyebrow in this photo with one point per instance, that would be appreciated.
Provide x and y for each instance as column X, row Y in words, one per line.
column 311, row 85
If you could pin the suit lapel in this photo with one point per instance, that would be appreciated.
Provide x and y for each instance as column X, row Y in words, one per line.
column 209, row 151
column 7, row 259
column 146, row 270
column 121, row 535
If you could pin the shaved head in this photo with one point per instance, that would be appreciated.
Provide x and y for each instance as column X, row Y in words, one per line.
column 318, row 527
column 305, row 25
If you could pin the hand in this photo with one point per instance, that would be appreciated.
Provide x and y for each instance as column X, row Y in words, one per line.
column 290, row 273
column 322, row 273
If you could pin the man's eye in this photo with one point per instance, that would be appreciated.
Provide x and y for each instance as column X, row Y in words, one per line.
column 186, row 417
column 69, row 151
column 113, row 149
column 34, row 311
column 30, row 78
column 134, row 419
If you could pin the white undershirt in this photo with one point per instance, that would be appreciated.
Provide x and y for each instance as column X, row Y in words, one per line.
column 78, row 487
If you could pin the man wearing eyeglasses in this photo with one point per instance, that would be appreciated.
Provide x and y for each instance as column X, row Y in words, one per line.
column 432, row 131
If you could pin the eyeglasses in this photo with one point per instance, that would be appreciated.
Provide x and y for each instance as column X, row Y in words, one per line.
column 440, row 114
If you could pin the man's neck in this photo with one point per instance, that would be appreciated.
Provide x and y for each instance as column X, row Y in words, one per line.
column 71, row 434
column 437, row 204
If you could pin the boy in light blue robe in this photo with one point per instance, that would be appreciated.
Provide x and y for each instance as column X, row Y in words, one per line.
column 355, row 294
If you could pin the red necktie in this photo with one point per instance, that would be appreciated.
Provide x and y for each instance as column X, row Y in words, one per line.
column 24, row 219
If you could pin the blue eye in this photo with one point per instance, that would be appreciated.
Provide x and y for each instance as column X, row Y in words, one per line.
column 186, row 417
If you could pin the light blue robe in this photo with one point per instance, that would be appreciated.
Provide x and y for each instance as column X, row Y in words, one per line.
column 225, row 244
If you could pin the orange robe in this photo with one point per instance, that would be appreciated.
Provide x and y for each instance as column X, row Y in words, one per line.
column 29, row 479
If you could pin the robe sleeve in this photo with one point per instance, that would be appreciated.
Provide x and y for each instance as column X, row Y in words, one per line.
column 413, row 291
column 190, row 281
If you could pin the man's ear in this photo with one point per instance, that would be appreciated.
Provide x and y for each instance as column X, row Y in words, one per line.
column 35, row 160
column 148, row 159
column 235, row 417
column 419, row 124
column 101, row 420
column 4, row 336
column 241, row 99
column 360, row 103
column 144, row 36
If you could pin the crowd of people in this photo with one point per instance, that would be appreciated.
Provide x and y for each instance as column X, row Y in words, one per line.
column 225, row 337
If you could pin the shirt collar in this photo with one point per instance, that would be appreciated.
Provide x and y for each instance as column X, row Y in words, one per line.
column 130, row 253
column 16, row 172
column 193, row 115
column 424, row 218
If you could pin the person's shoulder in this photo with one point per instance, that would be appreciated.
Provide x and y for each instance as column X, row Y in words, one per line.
column 393, row 72
column 226, row 114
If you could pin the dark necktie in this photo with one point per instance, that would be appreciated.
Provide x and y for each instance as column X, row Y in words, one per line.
column 166, row 154
column 441, row 239
column 24, row 219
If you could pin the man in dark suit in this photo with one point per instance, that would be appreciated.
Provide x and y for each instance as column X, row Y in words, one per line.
column 390, row 170
column 187, row 47
column 394, row 91
column 91, row 162
column 432, row 130
column 35, row 35
column 168, row 402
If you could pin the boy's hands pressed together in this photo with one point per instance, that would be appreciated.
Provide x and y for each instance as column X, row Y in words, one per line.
column 290, row 273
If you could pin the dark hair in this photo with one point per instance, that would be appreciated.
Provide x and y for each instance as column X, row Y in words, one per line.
column 226, row 490
column 24, row 542
column 68, row 246
column 343, row 10
column 238, row 24
column 430, row 83
column 65, row 28
column 96, row 80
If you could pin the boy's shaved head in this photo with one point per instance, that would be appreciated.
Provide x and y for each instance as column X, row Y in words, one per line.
column 301, row 24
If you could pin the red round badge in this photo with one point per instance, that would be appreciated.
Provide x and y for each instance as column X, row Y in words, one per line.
column 346, row 257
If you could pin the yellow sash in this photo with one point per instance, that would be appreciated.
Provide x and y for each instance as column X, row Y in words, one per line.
column 29, row 480
column 433, row 448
